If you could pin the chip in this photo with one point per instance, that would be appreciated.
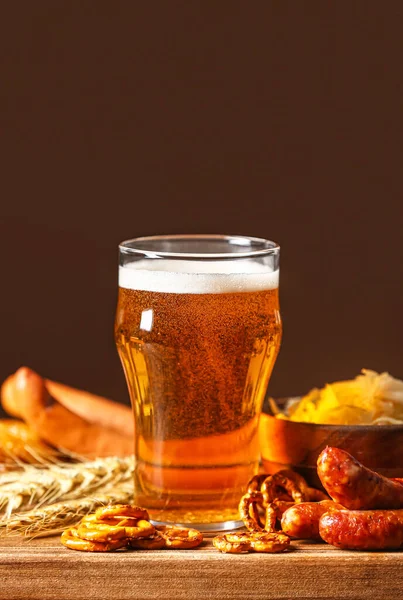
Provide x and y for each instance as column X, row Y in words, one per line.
column 369, row 399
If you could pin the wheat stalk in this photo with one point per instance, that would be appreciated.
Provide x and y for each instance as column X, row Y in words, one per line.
column 55, row 518
column 35, row 486
column 42, row 498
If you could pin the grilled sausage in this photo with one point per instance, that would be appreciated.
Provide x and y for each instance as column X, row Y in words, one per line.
column 49, row 413
column 302, row 520
column 363, row 530
column 354, row 486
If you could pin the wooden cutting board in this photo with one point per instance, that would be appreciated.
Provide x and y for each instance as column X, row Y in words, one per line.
column 44, row 570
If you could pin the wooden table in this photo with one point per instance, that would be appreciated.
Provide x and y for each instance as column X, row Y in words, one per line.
column 44, row 570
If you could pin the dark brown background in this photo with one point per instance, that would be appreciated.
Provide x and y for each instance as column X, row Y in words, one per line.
column 278, row 119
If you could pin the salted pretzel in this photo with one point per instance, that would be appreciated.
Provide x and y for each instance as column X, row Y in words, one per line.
column 114, row 521
column 241, row 543
column 143, row 528
column 100, row 532
column 269, row 542
column 233, row 543
column 154, row 542
column 249, row 510
column 92, row 528
column 298, row 479
column 180, row 537
column 113, row 527
column 91, row 518
column 255, row 483
column 274, row 512
column 268, row 496
column 71, row 539
column 121, row 510
column 272, row 483
column 121, row 521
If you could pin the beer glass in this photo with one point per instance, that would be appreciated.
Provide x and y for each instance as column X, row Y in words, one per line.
column 198, row 330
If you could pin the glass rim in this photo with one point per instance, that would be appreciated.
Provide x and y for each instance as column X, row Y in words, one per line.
column 268, row 247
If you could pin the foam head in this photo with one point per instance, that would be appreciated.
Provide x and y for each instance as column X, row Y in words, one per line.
column 197, row 277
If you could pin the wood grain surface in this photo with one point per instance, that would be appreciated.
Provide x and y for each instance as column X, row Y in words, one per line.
column 44, row 570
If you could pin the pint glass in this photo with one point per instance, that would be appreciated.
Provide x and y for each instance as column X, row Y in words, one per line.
column 198, row 330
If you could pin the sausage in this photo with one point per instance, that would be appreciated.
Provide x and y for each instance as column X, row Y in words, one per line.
column 302, row 520
column 91, row 408
column 354, row 486
column 363, row 530
column 26, row 396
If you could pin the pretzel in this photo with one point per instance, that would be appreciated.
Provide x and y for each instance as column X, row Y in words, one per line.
column 271, row 484
column 142, row 528
column 113, row 527
column 296, row 478
column 233, row 543
column 273, row 494
column 154, row 542
column 249, row 513
column 269, row 542
column 121, row 510
column 169, row 537
column 114, row 521
column 255, row 483
column 180, row 537
column 274, row 512
column 100, row 532
column 70, row 539
column 122, row 521
column 249, row 504
column 92, row 528
column 90, row 518
column 241, row 543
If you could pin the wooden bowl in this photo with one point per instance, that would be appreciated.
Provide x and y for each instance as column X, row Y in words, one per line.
column 288, row 444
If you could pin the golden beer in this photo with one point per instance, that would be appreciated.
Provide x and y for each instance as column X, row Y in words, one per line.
column 197, row 341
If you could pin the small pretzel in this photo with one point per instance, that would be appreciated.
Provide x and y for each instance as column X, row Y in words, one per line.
column 100, row 532
column 249, row 504
column 180, row 537
column 71, row 539
column 296, row 478
column 143, row 528
column 240, row 543
column 94, row 529
column 285, row 498
column 274, row 512
column 255, row 483
column 154, row 542
column 271, row 484
column 233, row 543
column 91, row 519
column 115, row 521
column 121, row 510
column 122, row 521
column 114, row 527
column 269, row 542
column 273, row 493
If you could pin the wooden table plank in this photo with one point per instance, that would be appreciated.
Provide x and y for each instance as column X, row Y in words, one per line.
column 44, row 570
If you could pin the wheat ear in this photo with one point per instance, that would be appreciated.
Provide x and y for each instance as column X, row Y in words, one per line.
column 34, row 487
column 54, row 518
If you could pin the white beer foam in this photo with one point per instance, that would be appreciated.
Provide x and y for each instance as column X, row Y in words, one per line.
column 197, row 277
